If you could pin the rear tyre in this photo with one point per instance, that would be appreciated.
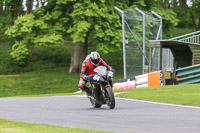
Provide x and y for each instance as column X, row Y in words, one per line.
column 110, row 99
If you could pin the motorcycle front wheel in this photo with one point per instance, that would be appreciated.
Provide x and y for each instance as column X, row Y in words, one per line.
column 109, row 97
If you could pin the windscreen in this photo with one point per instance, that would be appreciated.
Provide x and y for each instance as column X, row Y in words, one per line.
column 101, row 70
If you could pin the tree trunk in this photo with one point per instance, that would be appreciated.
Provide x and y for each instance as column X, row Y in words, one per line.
column 167, row 5
column 43, row 2
column 1, row 8
column 6, row 11
column 183, row 4
column 193, row 21
column 29, row 6
column 38, row 3
column 16, row 9
column 198, row 24
column 79, row 53
column 175, row 4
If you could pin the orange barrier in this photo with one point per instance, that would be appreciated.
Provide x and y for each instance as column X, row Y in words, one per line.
column 154, row 79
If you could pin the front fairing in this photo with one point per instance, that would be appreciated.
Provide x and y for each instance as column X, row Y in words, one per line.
column 99, row 79
column 102, row 76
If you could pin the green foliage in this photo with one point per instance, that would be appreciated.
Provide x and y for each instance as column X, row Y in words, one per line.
column 3, row 26
column 169, row 17
column 20, row 52
column 85, row 21
column 47, row 40
column 9, row 10
column 39, row 59
column 96, row 20
column 196, row 7
column 46, row 58
column 29, row 33
column 170, row 21
column 181, row 31
column 58, row 56
column 5, row 49
column 195, row 14
column 115, row 60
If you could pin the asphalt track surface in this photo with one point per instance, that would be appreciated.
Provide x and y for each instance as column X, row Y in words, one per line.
column 132, row 116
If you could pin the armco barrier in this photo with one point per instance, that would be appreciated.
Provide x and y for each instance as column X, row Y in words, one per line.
column 141, row 79
column 188, row 75
column 152, row 79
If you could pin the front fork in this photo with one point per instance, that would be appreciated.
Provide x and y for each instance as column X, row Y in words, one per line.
column 101, row 87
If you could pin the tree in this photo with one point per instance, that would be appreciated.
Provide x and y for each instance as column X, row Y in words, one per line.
column 9, row 11
column 188, row 12
column 84, row 21
column 42, row 2
column 29, row 33
column 29, row 6
column 195, row 14
column 93, row 20
column 163, row 8
column 1, row 7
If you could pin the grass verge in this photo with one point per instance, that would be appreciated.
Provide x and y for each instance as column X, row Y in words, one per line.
column 46, row 82
column 39, row 83
column 175, row 94
column 19, row 127
column 58, row 82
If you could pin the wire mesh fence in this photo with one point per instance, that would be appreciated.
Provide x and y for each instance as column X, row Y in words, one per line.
column 135, row 32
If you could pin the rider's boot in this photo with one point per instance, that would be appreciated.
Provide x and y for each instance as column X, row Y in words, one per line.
column 87, row 90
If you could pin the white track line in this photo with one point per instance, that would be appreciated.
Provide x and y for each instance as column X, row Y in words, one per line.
column 167, row 104
column 143, row 101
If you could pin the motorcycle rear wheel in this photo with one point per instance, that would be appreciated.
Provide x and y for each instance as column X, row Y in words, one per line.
column 110, row 99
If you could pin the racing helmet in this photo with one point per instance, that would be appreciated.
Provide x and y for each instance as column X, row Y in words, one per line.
column 94, row 58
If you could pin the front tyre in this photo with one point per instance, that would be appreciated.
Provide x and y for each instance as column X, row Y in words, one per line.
column 109, row 97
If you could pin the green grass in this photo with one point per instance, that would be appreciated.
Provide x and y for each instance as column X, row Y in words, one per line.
column 176, row 94
column 48, row 82
column 19, row 127
column 59, row 82
column 39, row 83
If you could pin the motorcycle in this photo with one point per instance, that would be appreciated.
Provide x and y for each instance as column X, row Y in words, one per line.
column 100, row 86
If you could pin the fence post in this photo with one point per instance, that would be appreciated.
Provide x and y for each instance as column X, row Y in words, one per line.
column 144, row 37
column 123, row 38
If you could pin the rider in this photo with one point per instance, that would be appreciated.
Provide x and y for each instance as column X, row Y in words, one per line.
column 89, row 64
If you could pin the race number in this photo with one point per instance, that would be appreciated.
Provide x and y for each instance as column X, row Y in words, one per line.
column 110, row 74
column 96, row 77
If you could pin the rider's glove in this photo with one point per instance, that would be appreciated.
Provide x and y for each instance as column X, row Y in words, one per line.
column 86, row 77
column 112, row 70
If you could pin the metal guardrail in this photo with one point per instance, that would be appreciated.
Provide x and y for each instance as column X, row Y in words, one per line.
column 151, row 79
column 192, row 38
column 188, row 75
